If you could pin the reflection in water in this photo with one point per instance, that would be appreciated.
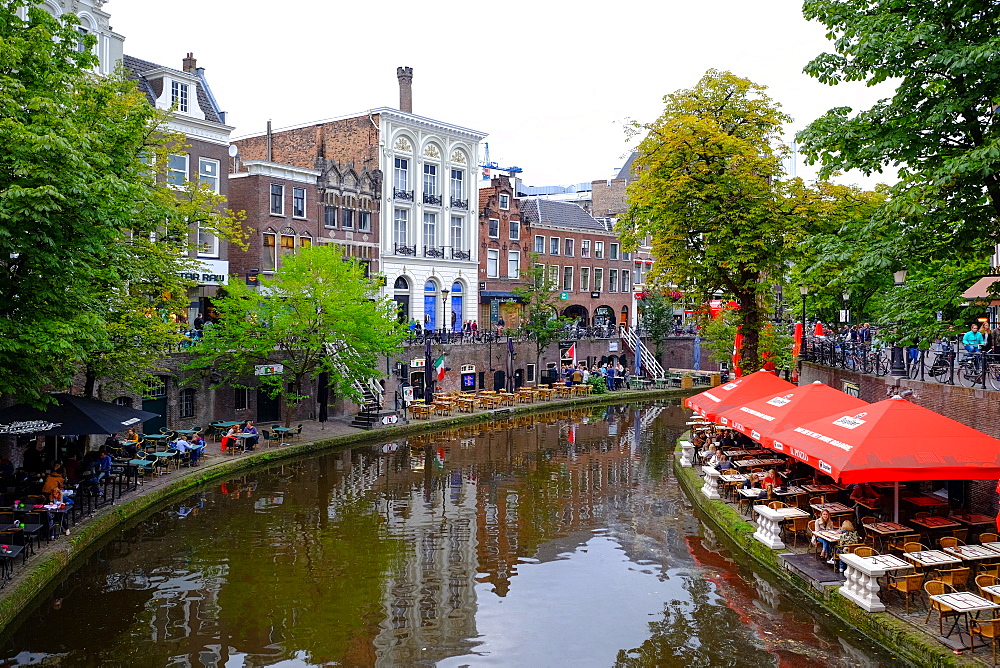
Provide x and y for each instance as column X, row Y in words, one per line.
column 550, row 540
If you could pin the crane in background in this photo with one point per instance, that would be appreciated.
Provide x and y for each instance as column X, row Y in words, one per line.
column 488, row 166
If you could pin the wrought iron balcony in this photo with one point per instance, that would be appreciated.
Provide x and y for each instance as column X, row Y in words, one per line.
column 434, row 252
column 459, row 203
column 432, row 199
column 404, row 250
column 461, row 255
column 406, row 195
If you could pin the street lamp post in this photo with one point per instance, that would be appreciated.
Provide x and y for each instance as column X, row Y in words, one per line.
column 898, row 365
column 804, row 291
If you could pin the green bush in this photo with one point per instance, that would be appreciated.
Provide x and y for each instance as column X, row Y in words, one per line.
column 597, row 382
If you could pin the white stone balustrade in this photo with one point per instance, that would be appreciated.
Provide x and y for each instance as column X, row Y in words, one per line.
column 862, row 575
column 711, row 487
column 687, row 454
column 769, row 524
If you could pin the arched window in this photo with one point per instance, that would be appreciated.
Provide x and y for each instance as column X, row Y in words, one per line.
column 456, row 287
column 457, row 311
column 430, row 286
column 401, row 284
column 401, row 290
column 430, row 305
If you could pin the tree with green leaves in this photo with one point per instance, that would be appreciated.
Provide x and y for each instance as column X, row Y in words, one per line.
column 709, row 192
column 91, row 242
column 657, row 317
column 540, row 296
column 317, row 314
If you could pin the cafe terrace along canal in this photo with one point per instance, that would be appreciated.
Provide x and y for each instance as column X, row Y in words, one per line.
column 559, row 539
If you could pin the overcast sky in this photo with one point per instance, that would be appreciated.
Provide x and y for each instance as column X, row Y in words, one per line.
column 551, row 82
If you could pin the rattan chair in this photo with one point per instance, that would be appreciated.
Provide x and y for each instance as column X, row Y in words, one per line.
column 865, row 551
column 799, row 526
column 987, row 629
column 914, row 547
column 921, row 515
column 898, row 543
column 987, row 537
column 936, row 588
column 955, row 577
column 907, row 586
column 949, row 541
column 776, row 505
column 817, row 500
column 983, row 581
column 960, row 534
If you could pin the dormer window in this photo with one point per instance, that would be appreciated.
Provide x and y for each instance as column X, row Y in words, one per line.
column 179, row 95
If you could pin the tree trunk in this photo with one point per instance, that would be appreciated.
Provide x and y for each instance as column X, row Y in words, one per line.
column 750, row 326
column 90, row 384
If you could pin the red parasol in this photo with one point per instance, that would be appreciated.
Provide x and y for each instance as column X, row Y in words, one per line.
column 818, row 331
column 710, row 403
column 893, row 440
column 762, row 418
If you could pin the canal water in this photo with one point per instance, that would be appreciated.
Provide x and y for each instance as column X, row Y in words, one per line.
column 560, row 539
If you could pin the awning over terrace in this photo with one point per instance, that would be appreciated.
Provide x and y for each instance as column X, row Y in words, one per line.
column 710, row 403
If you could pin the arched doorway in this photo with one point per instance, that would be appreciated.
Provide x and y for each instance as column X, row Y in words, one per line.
column 456, row 306
column 401, row 295
column 499, row 381
column 430, row 305
column 578, row 313
column 604, row 316
column 623, row 321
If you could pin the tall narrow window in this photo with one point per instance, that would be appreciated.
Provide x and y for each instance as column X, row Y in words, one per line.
column 399, row 221
column 554, row 275
column 504, row 201
column 208, row 172
column 612, row 280
column 625, row 280
column 553, row 245
column 539, row 244
column 330, row 216
column 515, row 229
column 457, row 185
column 599, row 250
column 287, row 244
column 298, row 202
column 492, row 263
column 584, row 279
column 241, row 398
column 494, row 228
column 598, row 279
column 430, row 231
column 208, row 243
column 458, row 233
column 513, row 264
column 269, row 253
column 364, row 221
column 179, row 95
column 567, row 283
column 568, row 248
column 585, row 248
column 430, row 179
column 613, row 252
column 177, row 169
column 401, row 175
column 347, row 218
column 277, row 199
column 187, row 403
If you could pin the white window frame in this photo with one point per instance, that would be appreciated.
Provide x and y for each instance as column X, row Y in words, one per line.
column 272, row 254
column 515, row 230
column 613, row 252
column 493, row 228
column 171, row 171
column 457, row 184
column 567, row 278
column 206, row 176
column 492, row 263
column 180, row 95
column 612, row 280
column 364, row 221
column 400, row 223
column 458, row 233
column 430, row 179
column 276, row 211
column 598, row 250
column 598, row 279
column 568, row 244
column 585, row 248
column 504, row 201
column 513, row 264
column 210, row 246
column 529, row 373
column 625, row 276
column 329, row 217
column 401, row 174
column 584, row 279
column 430, row 230
column 540, row 244
column 554, row 248
column 295, row 196
column 554, row 274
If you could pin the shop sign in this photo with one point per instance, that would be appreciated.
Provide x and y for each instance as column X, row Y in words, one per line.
column 612, row 346
column 851, row 388
column 564, row 296
column 208, row 272
column 418, row 363
column 595, row 295
column 494, row 310
column 390, row 419
column 268, row 369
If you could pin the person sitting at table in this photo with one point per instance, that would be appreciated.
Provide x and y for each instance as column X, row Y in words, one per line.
column 722, row 461
column 197, row 447
column 73, row 469
column 848, row 536
column 824, row 523
column 103, row 464
column 772, row 478
column 727, row 442
column 55, row 483
column 866, row 494
column 251, row 442
column 34, row 458
column 229, row 440
column 753, row 483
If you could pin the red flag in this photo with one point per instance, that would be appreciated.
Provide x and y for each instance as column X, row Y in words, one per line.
column 737, row 372
column 571, row 353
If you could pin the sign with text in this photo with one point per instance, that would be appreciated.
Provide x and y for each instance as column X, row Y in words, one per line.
column 268, row 369
column 851, row 388
column 208, row 272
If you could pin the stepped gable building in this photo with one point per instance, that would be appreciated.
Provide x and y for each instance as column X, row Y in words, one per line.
column 503, row 248
column 584, row 257
column 422, row 211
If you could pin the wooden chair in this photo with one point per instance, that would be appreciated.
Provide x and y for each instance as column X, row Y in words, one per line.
column 844, row 549
column 983, row 581
column 816, row 546
column 954, row 577
column 898, row 543
column 869, row 519
column 987, row 537
column 936, row 588
column 987, row 629
column 907, row 586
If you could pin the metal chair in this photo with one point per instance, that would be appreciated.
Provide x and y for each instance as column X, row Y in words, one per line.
column 987, row 629
column 906, row 585
column 936, row 588
column 955, row 577
column 983, row 581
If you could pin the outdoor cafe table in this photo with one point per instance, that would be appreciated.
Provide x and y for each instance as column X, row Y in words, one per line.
column 933, row 522
column 862, row 576
column 747, row 463
column 993, row 546
column 963, row 603
column 788, row 490
column 13, row 551
column 886, row 529
column 924, row 501
column 186, row 432
column 420, row 411
column 973, row 519
column 738, row 453
column 972, row 553
column 769, row 524
column 822, row 489
column 931, row 558
column 771, row 462
column 466, row 404
column 733, row 477
column 168, row 457
column 833, row 508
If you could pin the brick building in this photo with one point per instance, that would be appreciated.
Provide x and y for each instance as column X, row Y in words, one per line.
column 503, row 248
column 422, row 211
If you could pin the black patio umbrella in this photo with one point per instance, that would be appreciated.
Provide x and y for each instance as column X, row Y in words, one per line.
column 77, row 415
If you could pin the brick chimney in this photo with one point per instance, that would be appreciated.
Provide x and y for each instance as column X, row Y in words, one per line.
column 405, row 76
column 190, row 63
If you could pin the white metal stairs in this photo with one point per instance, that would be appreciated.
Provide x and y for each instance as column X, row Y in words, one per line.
column 649, row 361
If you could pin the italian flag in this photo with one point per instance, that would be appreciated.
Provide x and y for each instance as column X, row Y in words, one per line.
column 439, row 367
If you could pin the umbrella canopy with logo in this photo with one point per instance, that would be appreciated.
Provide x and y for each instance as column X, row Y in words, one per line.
column 78, row 415
column 762, row 418
column 893, row 440
column 710, row 403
